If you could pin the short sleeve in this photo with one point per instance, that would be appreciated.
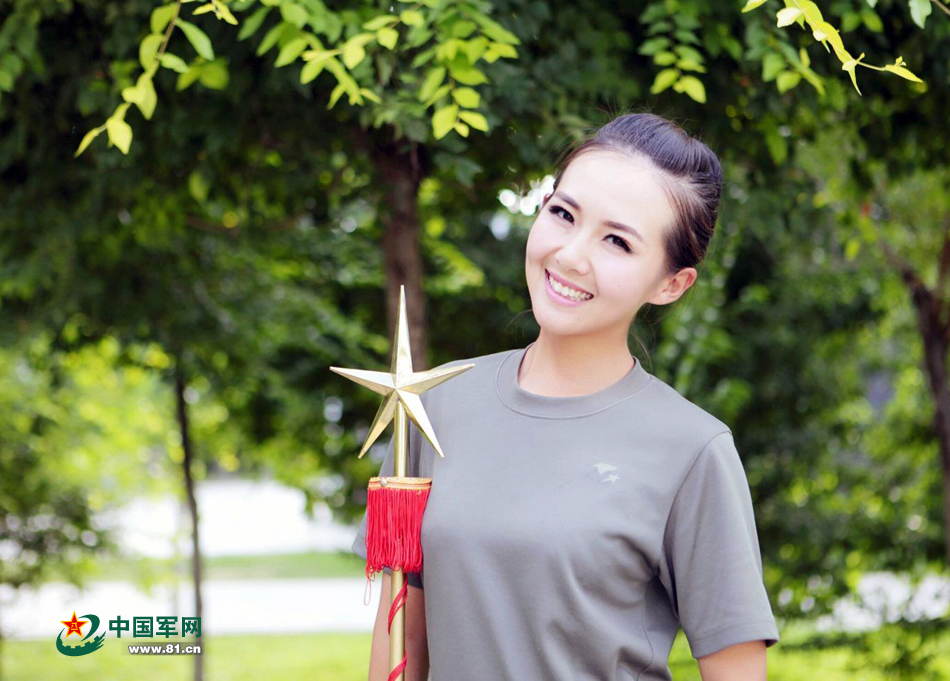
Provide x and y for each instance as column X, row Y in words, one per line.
column 712, row 566
column 386, row 469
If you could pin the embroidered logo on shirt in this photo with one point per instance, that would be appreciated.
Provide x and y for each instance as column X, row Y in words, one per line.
column 603, row 468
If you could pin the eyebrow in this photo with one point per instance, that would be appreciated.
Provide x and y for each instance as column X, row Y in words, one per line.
column 610, row 223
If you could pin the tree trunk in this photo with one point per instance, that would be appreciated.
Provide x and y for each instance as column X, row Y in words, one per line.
column 933, row 320
column 934, row 334
column 192, row 506
column 400, row 172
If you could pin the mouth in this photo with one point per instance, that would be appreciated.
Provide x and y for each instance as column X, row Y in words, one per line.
column 564, row 293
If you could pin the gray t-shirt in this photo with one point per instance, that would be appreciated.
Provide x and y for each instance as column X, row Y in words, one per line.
column 568, row 538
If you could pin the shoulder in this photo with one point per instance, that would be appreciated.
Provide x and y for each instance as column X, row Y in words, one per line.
column 687, row 412
column 668, row 423
column 482, row 373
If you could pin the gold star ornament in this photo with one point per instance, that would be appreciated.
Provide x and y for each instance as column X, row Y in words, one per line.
column 401, row 385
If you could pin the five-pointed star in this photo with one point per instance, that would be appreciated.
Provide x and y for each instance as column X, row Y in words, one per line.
column 74, row 625
column 401, row 385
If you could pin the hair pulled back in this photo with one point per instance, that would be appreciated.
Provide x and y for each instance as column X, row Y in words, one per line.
column 691, row 175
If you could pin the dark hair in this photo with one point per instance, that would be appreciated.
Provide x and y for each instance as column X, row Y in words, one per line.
column 692, row 177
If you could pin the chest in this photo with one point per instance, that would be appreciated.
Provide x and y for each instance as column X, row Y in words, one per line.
column 559, row 495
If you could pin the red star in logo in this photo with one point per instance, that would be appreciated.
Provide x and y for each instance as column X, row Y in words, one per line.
column 75, row 625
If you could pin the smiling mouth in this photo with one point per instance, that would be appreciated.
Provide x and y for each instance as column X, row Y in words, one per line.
column 566, row 291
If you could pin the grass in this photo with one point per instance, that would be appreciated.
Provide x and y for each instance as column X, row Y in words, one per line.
column 275, row 566
column 345, row 657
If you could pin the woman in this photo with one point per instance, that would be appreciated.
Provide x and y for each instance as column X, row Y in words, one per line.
column 585, row 510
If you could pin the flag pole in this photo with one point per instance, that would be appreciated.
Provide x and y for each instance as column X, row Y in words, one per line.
column 395, row 505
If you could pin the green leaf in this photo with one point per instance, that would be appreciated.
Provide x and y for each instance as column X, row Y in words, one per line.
column 686, row 37
column 467, row 75
column 898, row 68
column 120, row 133
column 443, row 120
column 423, row 57
column 461, row 128
column 850, row 66
column 919, row 11
column 663, row 80
column 411, row 17
column 659, row 27
column 693, row 87
column 476, row 47
column 462, row 29
column 353, row 50
column 290, row 52
column 433, row 80
column 772, row 63
column 654, row 45
column 149, row 47
column 198, row 39
column 198, row 186
column 370, row 95
column 273, row 36
column 690, row 53
column 214, row 75
column 225, row 13
column 173, row 62
column 379, row 22
column 335, row 95
column 474, row 119
column 787, row 80
column 87, row 140
column 778, row 147
column 161, row 16
column 872, row 21
column 253, row 22
column 752, row 4
column 664, row 58
column 788, row 16
column 311, row 70
column 147, row 99
column 690, row 65
column 387, row 37
column 293, row 13
column 503, row 50
column 437, row 95
column 188, row 77
column 851, row 248
column 494, row 30
column 467, row 97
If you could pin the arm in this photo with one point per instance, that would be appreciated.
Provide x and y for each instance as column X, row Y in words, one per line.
column 417, row 649
column 740, row 662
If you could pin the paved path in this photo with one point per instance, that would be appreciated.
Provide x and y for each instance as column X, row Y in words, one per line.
column 230, row 606
column 323, row 605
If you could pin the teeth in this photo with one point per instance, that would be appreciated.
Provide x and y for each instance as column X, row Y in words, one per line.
column 568, row 292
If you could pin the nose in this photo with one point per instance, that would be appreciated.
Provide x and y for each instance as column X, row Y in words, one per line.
column 572, row 256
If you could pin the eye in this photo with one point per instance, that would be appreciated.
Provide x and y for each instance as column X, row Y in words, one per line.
column 554, row 210
column 622, row 243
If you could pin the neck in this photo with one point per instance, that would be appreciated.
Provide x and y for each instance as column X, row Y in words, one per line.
column 568, row 366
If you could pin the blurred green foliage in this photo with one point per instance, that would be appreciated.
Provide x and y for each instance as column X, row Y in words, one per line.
column 240, row 239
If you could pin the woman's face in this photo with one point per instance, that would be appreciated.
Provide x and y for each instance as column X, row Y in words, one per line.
column 619, row 269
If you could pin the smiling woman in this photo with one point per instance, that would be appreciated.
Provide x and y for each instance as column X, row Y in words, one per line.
column 600, row 510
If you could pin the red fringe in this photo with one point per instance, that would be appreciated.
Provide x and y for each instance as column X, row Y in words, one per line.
column 394, row 527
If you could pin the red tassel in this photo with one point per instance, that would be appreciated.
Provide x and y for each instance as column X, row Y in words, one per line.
column 394, row 509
